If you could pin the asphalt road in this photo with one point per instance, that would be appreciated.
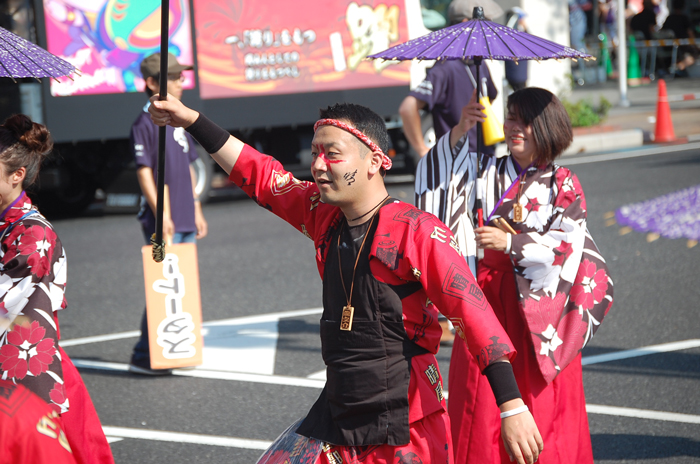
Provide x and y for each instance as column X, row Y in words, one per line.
column 254, row 264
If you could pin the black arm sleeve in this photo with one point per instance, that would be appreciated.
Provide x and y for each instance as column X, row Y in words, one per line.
column 502, row 381
column 210, row 136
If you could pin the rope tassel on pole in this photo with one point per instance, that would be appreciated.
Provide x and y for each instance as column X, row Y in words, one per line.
column 157, row 238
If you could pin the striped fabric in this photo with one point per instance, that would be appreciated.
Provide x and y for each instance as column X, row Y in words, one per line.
column 445, row 186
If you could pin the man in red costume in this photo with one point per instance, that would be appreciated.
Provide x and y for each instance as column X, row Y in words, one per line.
column 386, row 268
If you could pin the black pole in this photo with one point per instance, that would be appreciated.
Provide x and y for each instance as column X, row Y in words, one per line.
column 479, row 209
column 478, row 14
column 157, row 241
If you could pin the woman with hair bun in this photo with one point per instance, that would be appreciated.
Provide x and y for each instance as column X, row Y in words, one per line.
column 32, row 285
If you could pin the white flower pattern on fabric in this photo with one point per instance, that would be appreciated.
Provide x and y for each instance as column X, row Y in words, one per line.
column 537, row 208
column 568, row 185
column 568, row 231
column 12, row 300
column 553, row 340
column 5, row 284
column 538, row 259
column 42, row 246
column 15, row 298
column 56, row 291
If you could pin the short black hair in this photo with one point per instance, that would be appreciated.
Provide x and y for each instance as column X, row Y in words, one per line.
column 361, row 118
column 551, row 126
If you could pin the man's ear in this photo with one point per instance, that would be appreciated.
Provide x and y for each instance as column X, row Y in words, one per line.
column 376, row 160
column 153, row 84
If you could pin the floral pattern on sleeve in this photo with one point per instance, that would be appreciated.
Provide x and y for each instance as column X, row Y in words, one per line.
column 563, row 282
column 32, row 286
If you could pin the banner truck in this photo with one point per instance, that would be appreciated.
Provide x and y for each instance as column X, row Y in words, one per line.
column 261, row 70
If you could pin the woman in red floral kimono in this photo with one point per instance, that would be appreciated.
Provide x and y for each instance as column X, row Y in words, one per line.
column 541, row 272
column 32, row 284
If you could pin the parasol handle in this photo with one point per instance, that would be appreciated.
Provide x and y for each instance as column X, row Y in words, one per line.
column 479, row 143
column 158, row 251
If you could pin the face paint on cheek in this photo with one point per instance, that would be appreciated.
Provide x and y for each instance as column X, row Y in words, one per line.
column 322, row 156
column 350, row 177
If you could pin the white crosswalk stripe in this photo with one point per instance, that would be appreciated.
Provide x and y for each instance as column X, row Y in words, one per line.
column 243, row 350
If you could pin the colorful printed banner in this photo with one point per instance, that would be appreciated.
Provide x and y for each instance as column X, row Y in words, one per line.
column 249, row 48
column 174, row 307
column 107, row 39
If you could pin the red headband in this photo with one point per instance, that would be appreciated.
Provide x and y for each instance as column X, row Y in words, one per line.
column 386, row 161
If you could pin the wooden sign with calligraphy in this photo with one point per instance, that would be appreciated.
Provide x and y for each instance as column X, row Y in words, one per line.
column 174, row 307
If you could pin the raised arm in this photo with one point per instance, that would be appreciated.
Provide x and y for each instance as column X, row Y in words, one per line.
column 261, row 177
column 472, row 113
column 172, row 112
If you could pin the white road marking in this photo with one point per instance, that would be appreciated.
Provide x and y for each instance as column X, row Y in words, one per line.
column 240, row 348
column 644, row 351
column 99, row 365
column 262, row 331
column 211, row 374
column 233, row 321
column 320, row 375
column 265, row 317
column 316, row 379
column 637, row 413
column 244, row 377
column 565, row 161
column 643, row 414
column 178, row 437
column 119, row 433
column 100, row 338
column 242, row 344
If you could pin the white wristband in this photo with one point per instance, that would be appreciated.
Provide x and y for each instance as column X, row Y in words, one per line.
column 513, row 412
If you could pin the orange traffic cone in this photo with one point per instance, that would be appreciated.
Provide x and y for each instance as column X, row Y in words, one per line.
column 664, row 124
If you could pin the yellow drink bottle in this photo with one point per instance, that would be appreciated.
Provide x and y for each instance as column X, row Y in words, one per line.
column 491, row 127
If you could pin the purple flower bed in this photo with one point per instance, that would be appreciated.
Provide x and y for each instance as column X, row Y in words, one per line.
column 676, row 215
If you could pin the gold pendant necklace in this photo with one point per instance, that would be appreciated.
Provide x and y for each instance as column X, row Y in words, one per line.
column 517, row 207
column 349, row 311
column 517, row 213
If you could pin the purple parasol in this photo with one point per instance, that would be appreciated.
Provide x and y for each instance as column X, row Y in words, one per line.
column 479, row 38
column 21, row 58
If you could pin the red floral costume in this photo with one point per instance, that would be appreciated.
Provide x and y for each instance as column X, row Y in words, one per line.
column 409, row 246
column 550, row 292
column 32, row 285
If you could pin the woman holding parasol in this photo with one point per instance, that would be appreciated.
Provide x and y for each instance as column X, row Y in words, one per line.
column 542, row 274
column 541, row 271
